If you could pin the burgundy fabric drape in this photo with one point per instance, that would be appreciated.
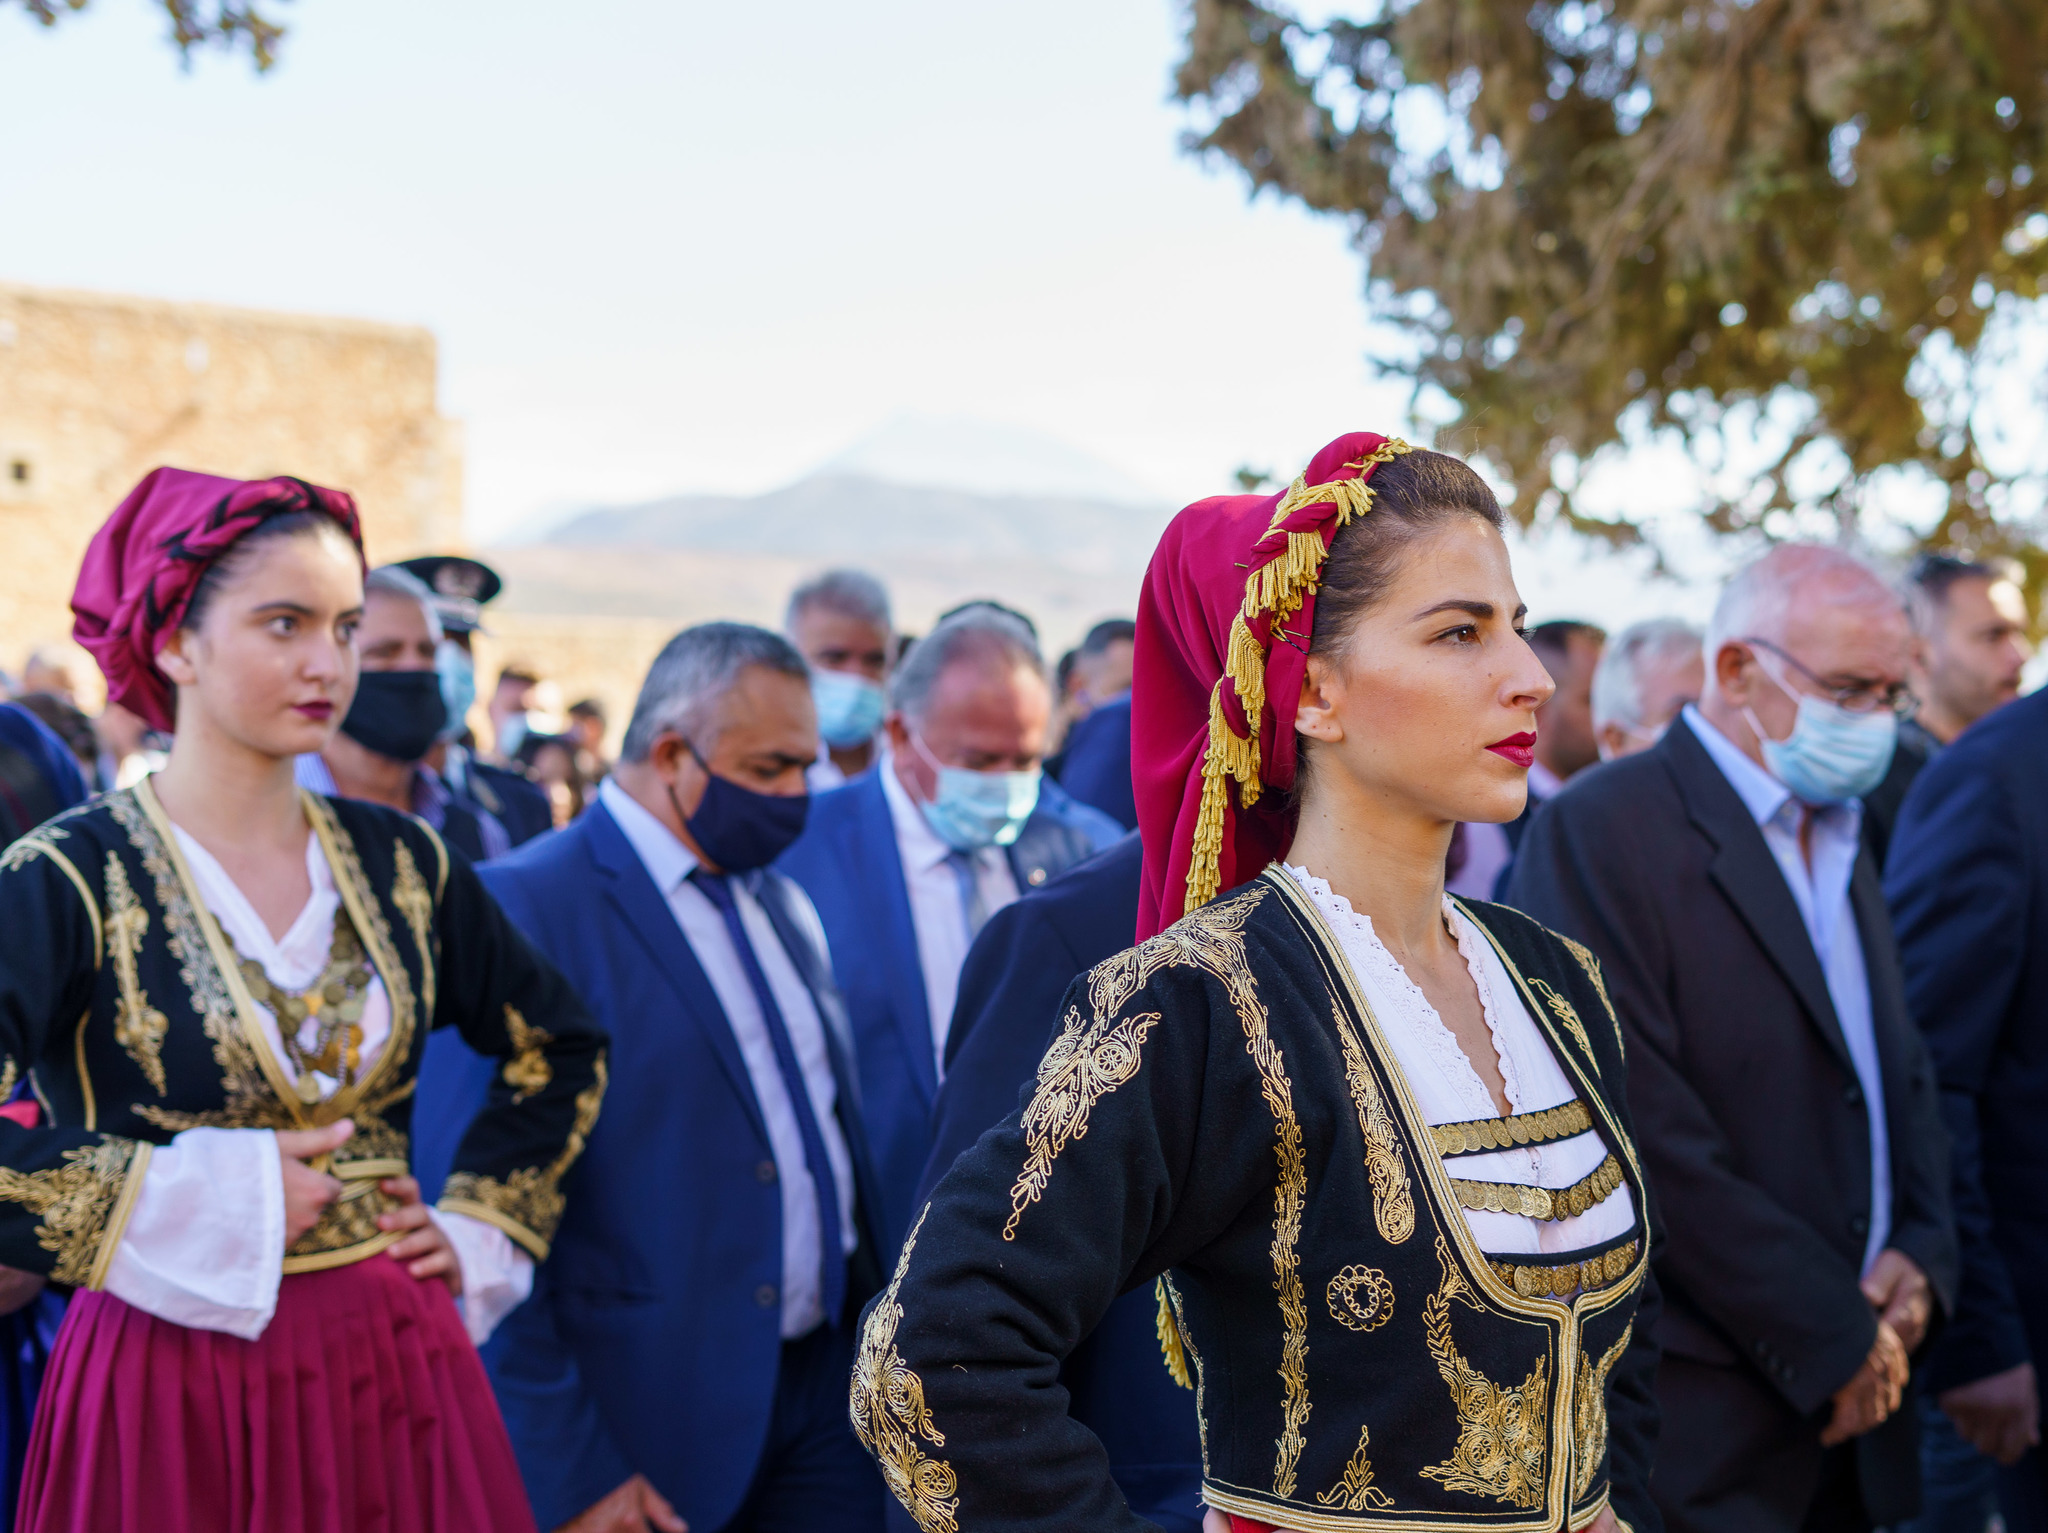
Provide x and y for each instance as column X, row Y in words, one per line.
column 142, row 566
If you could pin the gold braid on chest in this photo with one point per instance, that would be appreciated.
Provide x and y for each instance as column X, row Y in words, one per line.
column 334, row 1001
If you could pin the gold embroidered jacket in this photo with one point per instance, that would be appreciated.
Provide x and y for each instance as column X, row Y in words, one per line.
column 1221, row 1114
column 122, row 1000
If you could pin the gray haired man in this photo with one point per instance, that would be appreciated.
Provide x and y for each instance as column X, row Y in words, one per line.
column 907, row 862
column 1646, row 674
column 685, row 1353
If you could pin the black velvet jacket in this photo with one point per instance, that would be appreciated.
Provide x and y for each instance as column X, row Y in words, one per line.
column 1220, row 1113
column 123, row 1000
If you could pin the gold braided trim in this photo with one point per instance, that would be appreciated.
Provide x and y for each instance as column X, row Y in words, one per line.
column 1277, row 589
column 1540, row 1202
column 1170, row 1344
column 1528, row 1128
column 1588, row 1276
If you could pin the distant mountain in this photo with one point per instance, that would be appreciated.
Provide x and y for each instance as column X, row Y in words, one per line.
column 979, row 456
column 849, row 516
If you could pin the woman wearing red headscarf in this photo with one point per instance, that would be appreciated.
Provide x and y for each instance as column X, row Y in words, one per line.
column 222, row 987
column 1370, row 1142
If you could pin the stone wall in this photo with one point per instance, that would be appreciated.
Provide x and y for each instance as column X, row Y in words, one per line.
column 97, row 389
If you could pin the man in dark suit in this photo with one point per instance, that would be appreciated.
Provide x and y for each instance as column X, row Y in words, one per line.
column 1009, row 1010
column 1968, row 883
column 1784, row 1102
column 688, row 1341
column 907, row 861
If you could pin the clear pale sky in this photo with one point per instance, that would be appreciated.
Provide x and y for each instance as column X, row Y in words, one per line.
column 677, row 246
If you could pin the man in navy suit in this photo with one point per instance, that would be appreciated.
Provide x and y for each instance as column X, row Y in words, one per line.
column 1008, row 1012
column 1967, row 880
column 689, row 1339
column 908, row 860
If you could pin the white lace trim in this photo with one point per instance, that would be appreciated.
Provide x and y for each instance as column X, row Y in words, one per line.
column 1415, row 1015
column 1472, row 948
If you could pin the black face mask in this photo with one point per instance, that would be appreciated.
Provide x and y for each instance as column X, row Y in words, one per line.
column 740, row 829
column 398, row 714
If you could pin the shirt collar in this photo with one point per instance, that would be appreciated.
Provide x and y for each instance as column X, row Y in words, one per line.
column 916, row 842
column 667, row 860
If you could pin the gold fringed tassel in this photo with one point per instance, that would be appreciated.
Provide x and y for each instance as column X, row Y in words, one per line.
column 1169, row 1340
column 1204, row 863
column 1245, row 665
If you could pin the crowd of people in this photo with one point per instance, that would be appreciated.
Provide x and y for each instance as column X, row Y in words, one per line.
column 1316, row 1054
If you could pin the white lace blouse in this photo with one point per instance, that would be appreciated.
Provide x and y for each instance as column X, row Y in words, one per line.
column 1449, row 1090
column 204, row 1246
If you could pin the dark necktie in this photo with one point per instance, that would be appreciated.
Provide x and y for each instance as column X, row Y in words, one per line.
column 717, row 889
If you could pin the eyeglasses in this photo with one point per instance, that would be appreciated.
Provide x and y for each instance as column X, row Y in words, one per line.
column 1863, row 697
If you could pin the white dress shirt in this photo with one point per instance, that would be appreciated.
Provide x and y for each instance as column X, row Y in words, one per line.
column 204, row 1245
column 669, row 863
column 1835, row 835
column 1448, row 1089
column 937, row 912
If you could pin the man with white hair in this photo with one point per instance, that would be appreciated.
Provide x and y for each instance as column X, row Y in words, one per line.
column 907, row 862
column 1783, row 1100
column 685, row 1353
column 1646, row 674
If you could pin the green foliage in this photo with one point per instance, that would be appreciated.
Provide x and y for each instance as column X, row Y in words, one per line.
column 231, row 24
column 1780, row 222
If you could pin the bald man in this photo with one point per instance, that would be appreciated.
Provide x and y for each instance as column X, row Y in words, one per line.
column 1784, row 1103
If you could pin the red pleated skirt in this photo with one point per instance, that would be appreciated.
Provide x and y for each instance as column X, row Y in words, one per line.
column 362, row 1408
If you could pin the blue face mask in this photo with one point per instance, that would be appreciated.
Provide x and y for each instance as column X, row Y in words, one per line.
column 1832, row 754
column 849, row 707
column 458, row 685
column 737, row 828
column 972, row 810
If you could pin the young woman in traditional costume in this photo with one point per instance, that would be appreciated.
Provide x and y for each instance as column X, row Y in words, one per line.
column 220, row 988
column 1370, row 1142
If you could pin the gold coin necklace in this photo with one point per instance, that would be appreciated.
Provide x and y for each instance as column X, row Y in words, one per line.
column 335, row 999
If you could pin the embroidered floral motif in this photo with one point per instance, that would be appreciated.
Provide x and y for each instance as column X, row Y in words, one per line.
column 138, row 1026
column 1356, row 1492
column 1568, row 1014
column 250, row 1101
column 1591, row 965
column 74, row 1200
column 409, row 894
column 1501, row 1432
column 891, row 1418
column 528, row 1204
column 1589, row 1414
column 364, row 908
column 527, row 1071
column 1393, row 1200
column 1089, row 1059
column 1361, row 1299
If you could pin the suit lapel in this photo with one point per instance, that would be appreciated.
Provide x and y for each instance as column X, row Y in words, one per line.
column 644, row 909
column 876, row 853
column 1750, row 878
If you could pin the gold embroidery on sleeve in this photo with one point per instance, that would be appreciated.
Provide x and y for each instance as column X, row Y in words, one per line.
column 1589, row 1413
column 409, row 894
column 1393, row 1200
column 1361, row 1299
column 889, row 1413
column 1568, row 1014
column 42, row 842
column 1089, row 1059
column 1501, row 1432
column 528, row 1070
column 528, row 1204
column 74, row 1200
column 138, row 1026
column 1356, row 1492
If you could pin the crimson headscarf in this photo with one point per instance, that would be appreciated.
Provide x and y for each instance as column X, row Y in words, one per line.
column 141, row 568
column 1223, row 630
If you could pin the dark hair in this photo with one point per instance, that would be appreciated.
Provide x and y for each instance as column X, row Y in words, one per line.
column 1933, row 574
column 67, row 721
column 1412, row 495
column 1111, row 630
column 285, row 524
column 589, row 708
column 1554, row 638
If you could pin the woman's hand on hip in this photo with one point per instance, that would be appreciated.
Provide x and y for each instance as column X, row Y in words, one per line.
column 308, row 1192
column 425, row 1248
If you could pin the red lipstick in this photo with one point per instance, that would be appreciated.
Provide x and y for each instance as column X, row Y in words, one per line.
column 322, row 711
column 1520, row 749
